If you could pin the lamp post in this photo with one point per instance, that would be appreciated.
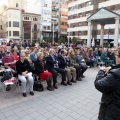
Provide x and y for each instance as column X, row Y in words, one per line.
column 53, row 33
column 69, row 35
column 41, row 37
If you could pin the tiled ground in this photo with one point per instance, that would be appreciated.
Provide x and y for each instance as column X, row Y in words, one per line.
column 77, row 102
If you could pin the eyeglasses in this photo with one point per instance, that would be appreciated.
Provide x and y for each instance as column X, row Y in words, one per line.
column 27, row 53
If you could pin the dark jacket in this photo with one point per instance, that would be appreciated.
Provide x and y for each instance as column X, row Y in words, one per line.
column 61, row 62
column 111, row 55
column 109, row 85
column 22, row 66
column 50, row 62
column 38, row 67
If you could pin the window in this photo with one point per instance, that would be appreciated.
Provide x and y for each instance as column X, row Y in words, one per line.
column 88, row 13
column 15, row 15
column 9, row 23
column 9, row 33
column 88, row 3
column 79, row 32
column 35, row 27
column 15, row 33
column 1, row 27
column 45, row 5
column 80, row 15
column 15, row 24
column 73, row 33
column 48, row 27
column 17, row 5
column 79, row 24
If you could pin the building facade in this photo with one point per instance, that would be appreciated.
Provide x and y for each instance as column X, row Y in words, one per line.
column 11, row 19
column 63, row 18
column 16, row 24
column 31, row 26
column 78, row 13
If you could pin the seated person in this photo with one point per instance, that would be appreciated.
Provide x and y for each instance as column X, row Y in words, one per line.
column 42, row 72
column 33, row 55
column 72, row 62
column 24, row 74
column 105, row 58
column 52, row 65
column 9, row 63
column 111, row 54
column 79, row 59
column 13, row 54
column 87, row 58
column 62, row 61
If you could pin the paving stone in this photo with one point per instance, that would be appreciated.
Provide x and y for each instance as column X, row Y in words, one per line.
column 77, row 102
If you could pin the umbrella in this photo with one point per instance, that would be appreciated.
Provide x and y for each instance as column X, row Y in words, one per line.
column 93, row 42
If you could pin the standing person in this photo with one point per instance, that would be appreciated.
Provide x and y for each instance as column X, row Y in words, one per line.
column 108, row 83
column 24, row 74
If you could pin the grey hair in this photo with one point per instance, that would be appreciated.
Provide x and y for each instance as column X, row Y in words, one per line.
column 51, row 50
column 39, row 54
column 22, row 53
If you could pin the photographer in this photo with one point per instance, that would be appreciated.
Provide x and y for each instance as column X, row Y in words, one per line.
column 108, row 83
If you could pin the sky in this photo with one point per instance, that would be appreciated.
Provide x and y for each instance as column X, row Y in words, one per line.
column 3, row 2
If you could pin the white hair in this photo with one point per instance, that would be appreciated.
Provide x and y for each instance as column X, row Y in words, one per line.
column 51, row 50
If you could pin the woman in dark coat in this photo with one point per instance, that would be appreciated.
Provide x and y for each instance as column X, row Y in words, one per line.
column 42, row 72
column 108, row 82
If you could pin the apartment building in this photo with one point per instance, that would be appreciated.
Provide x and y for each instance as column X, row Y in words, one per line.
column 31, row 26
column 63, row 18
column 80, row 10
column 11, row 19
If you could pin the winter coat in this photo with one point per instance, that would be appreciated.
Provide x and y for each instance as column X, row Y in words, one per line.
column 109, row 85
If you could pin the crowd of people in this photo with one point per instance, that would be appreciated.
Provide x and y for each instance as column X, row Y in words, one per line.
column 46, row 61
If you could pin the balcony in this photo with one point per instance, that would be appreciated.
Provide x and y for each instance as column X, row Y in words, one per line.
column 33, row 30
column 55, row 16
column 55, row 23
column 55, row 8
column 63, row 32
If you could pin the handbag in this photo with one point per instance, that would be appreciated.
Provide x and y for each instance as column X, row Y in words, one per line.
column 6, row 76
column 38, row 86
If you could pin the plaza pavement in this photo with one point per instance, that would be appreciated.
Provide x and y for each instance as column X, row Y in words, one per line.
column 77, row 102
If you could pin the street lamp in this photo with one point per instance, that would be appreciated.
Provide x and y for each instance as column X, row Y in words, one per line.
column 69, row 35
column 41, row 37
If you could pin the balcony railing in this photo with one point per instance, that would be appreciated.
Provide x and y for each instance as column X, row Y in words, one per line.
column 33, row 30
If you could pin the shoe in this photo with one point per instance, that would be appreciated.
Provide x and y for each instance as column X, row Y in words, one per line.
column 55, row 86
column 74, row 81
column 64, row 83
column 24, row 95
column 50, row 88
column 82, row 76
column 31, row 93
column 8, row 88
column 79, row 79
column 69, row 83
